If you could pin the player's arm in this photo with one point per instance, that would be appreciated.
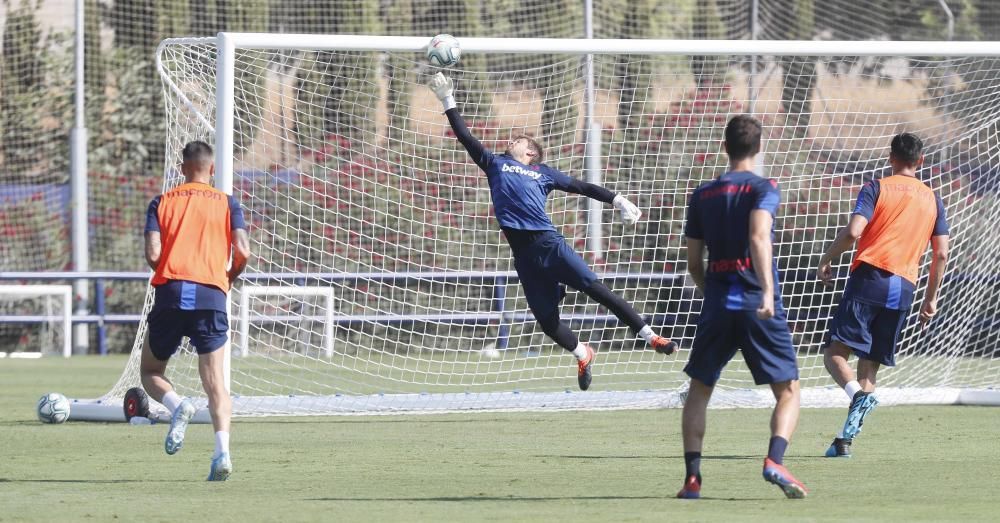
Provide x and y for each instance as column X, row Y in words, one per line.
column 153, row 248
column 864, row 209
column 761, row 254
column 939, row 258
column 696, row 262
column 844, row 242
column 445, row 91
column 241, row 254
column 694, row 237
column 765, row 208
column 629, row 212
column 240, row 241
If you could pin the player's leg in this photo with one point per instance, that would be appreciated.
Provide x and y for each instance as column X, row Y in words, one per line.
column 152, row 373
column 835, row 358
column 713, row 348
column 885, row 327
column 572, row 270
column 770, row 355
column 867, row 372
column 693, row 423
column 850, row 331
column 783, row 422
column 543, row 293
column 212, row 328
column 165, row 330
column 600, row 293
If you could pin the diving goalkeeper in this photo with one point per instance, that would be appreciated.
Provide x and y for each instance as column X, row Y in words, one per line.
column 519, row 185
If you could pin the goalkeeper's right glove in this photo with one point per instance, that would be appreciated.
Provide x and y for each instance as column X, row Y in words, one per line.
column 630, row 213
column 443, row 89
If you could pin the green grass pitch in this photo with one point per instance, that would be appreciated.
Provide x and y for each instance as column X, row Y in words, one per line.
column 910, row 464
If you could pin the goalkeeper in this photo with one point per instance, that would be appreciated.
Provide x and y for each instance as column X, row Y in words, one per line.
column 519, row 184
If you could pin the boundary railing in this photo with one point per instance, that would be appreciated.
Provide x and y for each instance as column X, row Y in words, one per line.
column 498, row 315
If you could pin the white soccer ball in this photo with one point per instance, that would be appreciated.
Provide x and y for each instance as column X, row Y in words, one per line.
column 53, row 408
column 489, row 352
column 444, row 50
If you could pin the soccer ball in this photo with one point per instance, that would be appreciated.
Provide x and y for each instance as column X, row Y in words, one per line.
column 444, row 51
column 53, row 408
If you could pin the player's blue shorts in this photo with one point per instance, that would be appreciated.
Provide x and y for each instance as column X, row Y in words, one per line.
column 543, row 266
column 870, row 330
column 766, row 346
column 207, row 329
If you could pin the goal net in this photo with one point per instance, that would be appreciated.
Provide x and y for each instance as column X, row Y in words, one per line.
column 355, row 187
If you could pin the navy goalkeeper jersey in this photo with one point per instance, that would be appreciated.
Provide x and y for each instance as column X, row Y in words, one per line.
column 519, row 191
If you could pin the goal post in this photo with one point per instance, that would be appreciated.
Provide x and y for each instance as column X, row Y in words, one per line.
column 249, row 291
column 45, row 315
column 351, row 179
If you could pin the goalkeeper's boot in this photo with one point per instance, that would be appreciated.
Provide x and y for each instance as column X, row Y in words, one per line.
column 663, row 345
column 222, row 467
column 840, row 448
column 178, row 426
column 861, row 405
column 584, row 373
column 779, row 475
column 692, row 488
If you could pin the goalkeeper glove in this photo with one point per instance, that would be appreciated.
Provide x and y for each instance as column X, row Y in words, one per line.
column 443, row 89
column 630, row 213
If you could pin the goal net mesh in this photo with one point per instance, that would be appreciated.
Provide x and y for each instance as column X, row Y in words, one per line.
column 352, row 181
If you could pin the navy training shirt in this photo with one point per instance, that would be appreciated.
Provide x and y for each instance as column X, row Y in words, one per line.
column 519, row 191
column 719, row 213
column 879, row 287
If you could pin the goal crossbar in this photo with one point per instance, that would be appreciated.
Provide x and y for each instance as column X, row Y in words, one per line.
column 605, row 46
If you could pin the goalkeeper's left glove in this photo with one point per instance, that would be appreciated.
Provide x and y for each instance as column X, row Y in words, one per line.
column 630, row 213
column 443, row 89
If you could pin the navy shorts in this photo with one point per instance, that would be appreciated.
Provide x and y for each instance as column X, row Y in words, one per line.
column 207, row 329
column 766, row 345
column 871, row 331
column 546, row 264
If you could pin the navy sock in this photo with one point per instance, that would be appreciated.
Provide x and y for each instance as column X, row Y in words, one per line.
column 692, row 465
column 776, row 449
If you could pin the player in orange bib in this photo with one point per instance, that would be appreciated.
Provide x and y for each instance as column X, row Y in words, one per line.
column 894, row 218
column 190, row 232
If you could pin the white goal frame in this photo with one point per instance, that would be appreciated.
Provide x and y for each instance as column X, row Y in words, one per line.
column 228, row 43
column 226, row 46
column 62, row 291
column 284, row 290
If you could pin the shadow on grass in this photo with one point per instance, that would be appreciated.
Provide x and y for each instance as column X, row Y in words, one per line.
column 678, row 457
column 464, row 499
column 324, row 419
column 8, row 480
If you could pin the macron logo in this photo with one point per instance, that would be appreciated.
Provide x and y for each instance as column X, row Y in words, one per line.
column 507, row 168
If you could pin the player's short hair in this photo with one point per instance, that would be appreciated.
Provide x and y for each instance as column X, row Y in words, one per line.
column 742, row 137
column 539, row 152
column 197, row 154
column 907, row 148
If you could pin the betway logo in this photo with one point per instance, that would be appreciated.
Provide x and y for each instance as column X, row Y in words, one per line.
column 508, row 168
